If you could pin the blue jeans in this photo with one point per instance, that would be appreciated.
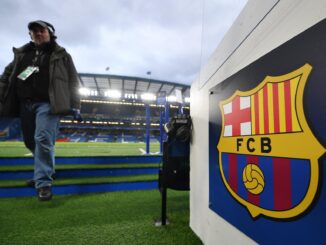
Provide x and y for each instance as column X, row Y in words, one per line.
column 39, row 129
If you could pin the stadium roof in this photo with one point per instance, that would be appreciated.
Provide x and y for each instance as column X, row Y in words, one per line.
column 133, row 85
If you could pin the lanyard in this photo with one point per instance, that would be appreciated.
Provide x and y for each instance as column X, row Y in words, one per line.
column 36, row 59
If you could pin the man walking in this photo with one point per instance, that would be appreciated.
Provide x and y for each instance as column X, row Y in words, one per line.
column 39, row 86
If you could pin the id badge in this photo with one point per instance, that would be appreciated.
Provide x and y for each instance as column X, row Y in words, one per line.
column 27, row 72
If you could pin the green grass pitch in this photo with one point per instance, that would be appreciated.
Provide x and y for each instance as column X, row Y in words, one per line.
column 65, row 149
column 125, row 217
column 106, row 218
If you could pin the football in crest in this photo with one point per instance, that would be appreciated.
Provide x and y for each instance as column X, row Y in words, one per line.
column 253, row 179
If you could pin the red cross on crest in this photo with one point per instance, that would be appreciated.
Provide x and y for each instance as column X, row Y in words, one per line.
column 237, row 117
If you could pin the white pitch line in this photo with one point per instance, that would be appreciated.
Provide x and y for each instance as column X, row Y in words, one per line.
column 151, row 153
column 142, row 151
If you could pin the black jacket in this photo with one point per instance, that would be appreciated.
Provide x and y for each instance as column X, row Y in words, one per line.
column 63, row 83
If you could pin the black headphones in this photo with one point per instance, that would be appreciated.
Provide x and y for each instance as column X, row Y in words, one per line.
column 43, row 24
column 50, row 27
column 179, row 127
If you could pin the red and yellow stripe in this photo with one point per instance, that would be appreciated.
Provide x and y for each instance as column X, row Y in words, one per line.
column 273, row 108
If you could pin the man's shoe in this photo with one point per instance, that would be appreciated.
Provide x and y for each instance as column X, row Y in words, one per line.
column 30, row 183
column 44, row 193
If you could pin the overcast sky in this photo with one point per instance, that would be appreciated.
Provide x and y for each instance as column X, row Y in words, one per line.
column 170, row 38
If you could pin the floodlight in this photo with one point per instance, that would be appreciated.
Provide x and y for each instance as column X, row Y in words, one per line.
column 130, row 96
column 115, row 94
column 172, row 98
column 148, row 97
column 84, row 91
column 93, row 92
column 178, row 95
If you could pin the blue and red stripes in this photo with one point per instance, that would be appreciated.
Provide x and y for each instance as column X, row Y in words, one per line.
column 286, row 179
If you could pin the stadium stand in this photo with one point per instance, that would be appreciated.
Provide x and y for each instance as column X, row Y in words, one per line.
column 10, row 129
column 114, row 110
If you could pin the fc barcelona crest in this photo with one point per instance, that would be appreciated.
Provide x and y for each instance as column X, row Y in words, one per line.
column 268, row 156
